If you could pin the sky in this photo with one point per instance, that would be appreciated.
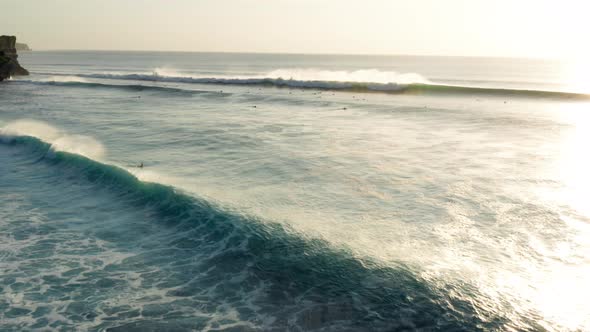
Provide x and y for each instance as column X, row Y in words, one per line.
column 512, row 28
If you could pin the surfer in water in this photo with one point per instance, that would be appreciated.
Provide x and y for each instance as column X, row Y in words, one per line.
column 140, row 165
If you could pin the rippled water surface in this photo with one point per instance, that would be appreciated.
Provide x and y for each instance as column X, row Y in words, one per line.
column 302, row 193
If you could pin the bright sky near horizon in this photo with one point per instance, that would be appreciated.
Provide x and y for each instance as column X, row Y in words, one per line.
column 524, row 28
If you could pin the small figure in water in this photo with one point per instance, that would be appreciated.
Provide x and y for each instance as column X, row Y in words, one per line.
column 140, row 165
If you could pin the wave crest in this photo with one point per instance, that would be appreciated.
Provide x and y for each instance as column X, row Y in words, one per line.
column 359, row 81
column 369, row 79
column 58, row 140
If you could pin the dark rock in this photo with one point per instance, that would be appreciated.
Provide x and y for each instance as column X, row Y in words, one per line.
column 9, row 65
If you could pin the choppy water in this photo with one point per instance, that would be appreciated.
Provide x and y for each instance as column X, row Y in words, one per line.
column 302, row 193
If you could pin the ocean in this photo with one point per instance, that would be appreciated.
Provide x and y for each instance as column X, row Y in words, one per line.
column 293, row 193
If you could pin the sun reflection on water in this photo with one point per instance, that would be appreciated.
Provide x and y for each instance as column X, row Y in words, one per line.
column 541, row 277
column 562, row 287
column 576, row 76
column 573, row 163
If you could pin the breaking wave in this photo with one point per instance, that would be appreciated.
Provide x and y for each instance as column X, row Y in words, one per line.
column 309, row 282
column 357, row 81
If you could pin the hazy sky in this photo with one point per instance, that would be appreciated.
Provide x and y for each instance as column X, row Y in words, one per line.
column 534, row 28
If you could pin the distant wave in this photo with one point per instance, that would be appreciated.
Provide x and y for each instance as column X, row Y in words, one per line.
column 271, row 252
column 130, row 87
column 508, row 92
column 374, row 82
column 262, row 81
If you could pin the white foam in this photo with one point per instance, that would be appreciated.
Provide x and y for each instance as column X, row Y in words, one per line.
column 33, row 128
column 78, row 144
column 358, row 76
column 168, row 72
column 64, row 79
column 60, row 141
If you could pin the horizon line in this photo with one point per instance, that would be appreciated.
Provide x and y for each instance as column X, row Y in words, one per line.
column 307, row 54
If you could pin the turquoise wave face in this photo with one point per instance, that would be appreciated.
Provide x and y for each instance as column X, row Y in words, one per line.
column 91, row 240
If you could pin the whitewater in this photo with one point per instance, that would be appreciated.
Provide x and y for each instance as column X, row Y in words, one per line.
column 292, row 192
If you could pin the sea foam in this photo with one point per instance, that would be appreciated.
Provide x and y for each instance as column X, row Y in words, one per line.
column 59, row 141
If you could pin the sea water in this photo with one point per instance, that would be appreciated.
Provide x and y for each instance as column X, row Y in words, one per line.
column 293, row 192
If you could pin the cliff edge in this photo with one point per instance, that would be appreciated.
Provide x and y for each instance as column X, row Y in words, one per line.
column 9, row 65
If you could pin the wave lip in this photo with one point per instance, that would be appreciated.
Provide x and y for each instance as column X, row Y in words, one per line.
column 58, row 141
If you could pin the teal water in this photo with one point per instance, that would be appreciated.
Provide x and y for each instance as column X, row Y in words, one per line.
column 291, row 192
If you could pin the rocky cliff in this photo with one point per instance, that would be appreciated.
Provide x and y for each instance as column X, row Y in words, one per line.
column 9, row 65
